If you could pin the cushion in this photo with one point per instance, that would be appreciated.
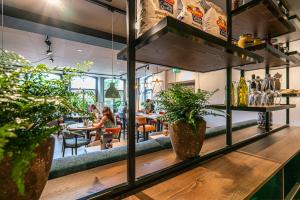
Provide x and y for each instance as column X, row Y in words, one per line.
column 80, row 142
column 164, row 141
column 148, row 128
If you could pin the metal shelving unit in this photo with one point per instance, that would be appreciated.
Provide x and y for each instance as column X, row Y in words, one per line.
column 260, row 17
column 174, row 43
column 273, row 58
column 270, row 108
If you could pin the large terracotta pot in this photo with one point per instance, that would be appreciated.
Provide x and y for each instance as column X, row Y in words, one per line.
column 36, row 176
column 187, row 143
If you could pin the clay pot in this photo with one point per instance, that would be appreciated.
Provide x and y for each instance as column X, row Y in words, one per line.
column 35, row 178
column 187, row 143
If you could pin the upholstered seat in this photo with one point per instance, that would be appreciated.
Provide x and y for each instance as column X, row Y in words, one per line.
column 148, row 128
column 71, row 143
column 143, row 127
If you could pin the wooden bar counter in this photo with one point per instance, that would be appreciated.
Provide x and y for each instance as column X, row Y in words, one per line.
column 237, row 175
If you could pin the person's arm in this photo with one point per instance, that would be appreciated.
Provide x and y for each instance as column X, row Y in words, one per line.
column 101, row 123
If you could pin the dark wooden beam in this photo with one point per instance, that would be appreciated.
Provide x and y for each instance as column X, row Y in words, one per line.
column 37, row 18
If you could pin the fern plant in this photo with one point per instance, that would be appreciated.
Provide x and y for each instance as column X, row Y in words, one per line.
column 29, row 101
column 182, row 104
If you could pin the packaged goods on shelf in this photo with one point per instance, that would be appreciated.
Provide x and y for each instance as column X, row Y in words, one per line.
column 192, row 13
column 150, row 12
column 214, row 20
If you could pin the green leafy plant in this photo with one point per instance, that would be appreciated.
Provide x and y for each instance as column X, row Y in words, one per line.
column 29, row 102
column 146, row 106
column 182, row 104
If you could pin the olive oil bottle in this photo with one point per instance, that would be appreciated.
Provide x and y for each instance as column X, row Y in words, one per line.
column 242, row 91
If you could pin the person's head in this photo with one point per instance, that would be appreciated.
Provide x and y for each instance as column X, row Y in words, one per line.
column 93, row 107
column 107, row 112
column 148, row 100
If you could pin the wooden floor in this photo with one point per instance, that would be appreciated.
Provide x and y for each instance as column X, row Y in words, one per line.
column 237, row 175
column 87, row 182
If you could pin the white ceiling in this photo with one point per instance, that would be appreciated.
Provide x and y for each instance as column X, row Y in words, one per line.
column 66, row 52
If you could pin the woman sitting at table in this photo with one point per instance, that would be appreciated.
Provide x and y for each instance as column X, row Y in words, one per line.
column 107, row 121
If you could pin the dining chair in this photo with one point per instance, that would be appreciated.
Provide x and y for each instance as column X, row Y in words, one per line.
column 73, row 140
column 111, row 135
column 143, row 127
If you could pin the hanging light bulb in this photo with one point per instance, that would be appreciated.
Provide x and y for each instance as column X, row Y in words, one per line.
column 156, row 81
column 112, row 91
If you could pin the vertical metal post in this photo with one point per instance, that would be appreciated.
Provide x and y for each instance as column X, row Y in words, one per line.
column 288, row 86
column 228, row 77
column 228, row 104
column 131, row 91
column 229, row 20
column 267, row 123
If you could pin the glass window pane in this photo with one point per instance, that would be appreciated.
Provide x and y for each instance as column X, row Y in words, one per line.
column 85, row 82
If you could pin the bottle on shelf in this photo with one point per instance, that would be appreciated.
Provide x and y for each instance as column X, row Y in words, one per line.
column 242, row 91
column 232, row 95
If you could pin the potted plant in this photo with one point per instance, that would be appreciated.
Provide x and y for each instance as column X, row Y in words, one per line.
column 185, row 111
column 30, row 104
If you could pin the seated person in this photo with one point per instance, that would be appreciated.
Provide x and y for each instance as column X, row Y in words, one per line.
column 107, row 121
column 95, row 111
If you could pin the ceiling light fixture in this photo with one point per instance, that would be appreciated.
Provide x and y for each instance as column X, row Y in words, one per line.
column 112, row 91
column 49, row 51
column 157, row 82
column 54, row 2
column 79, row 50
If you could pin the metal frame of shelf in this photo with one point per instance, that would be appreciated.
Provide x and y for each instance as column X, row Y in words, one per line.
column 135, row 184
column 262, row 18
column 273, row 58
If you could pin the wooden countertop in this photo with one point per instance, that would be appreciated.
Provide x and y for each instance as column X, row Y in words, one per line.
column 231, row 176
column 237, row 175
column 279, row 147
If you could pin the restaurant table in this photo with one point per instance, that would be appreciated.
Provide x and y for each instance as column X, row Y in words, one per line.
column 81, row 127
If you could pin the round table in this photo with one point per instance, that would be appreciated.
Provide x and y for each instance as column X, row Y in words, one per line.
column 81, row 127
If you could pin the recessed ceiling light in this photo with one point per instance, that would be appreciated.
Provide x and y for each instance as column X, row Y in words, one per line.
column 54, row 2
column 79, row 50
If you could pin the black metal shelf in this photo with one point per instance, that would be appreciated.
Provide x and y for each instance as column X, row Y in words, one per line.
column 273, row 58
column 261, row 18
column 173, row 43
column 291, row 95
column 257, row 108
column 293, row 36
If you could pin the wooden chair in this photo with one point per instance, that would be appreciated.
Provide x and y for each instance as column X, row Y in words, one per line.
column 113, row 134
column 143, row 127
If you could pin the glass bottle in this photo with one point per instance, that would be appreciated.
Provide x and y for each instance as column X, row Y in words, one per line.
column 242, row 91
column 232, row 95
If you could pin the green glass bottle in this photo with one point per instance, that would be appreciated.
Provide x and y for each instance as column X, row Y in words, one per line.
column 242, row 91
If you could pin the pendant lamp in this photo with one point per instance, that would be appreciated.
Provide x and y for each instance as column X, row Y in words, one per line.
column 156, row 82
column 112, row 91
